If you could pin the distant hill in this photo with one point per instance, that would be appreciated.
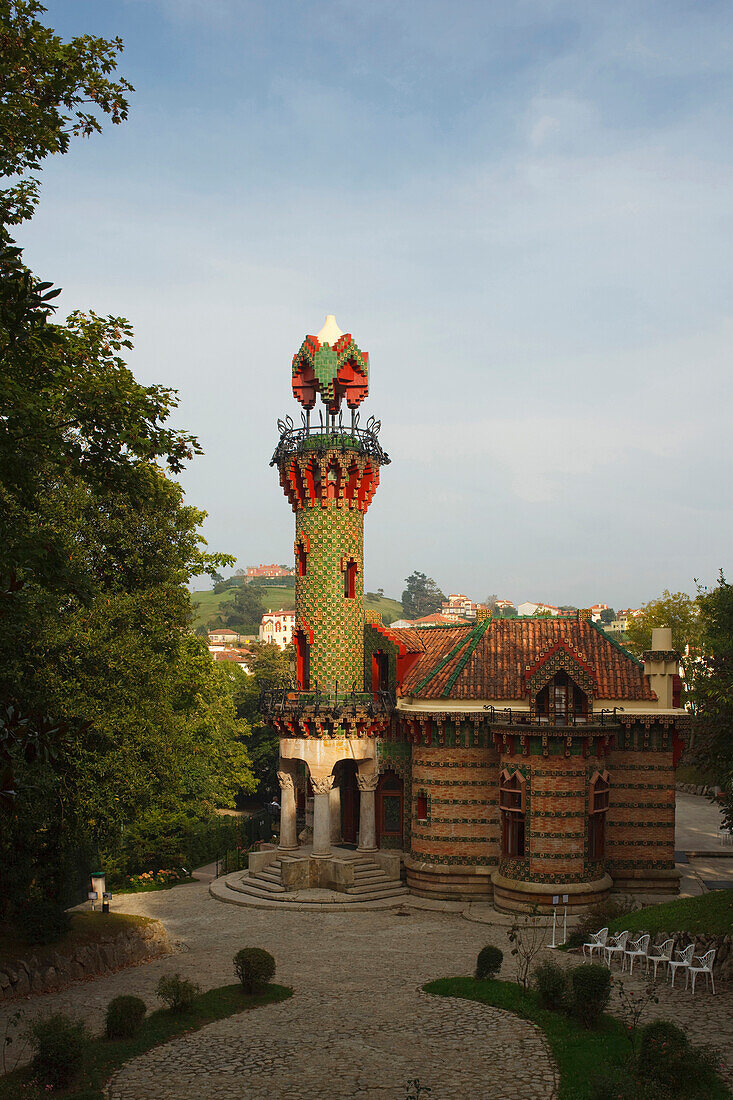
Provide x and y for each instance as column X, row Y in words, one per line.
column 207, row 604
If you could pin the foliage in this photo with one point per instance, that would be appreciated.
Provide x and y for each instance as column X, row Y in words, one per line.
column 244, row 611
column 488, row 963
column 669, row 1060
column 44, row 920
column 421, row 597
column 49, row 91
column 578, row 1053
column 707, row 914
column 103, row 1059
column 631, row 1004
column 527, row 937
column 270, row 668
column 58, row 1042
column 155, row 880
column 607, row 615
column 600, row 915
column 255, row 968
column 590, row 986
column 713, row 693
column 550, row 981
column 177, row 993
column 124, row 1017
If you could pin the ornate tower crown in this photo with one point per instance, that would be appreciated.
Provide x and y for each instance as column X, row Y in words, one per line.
column 330, row 364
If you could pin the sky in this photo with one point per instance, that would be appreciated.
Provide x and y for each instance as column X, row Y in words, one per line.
column 522, row 211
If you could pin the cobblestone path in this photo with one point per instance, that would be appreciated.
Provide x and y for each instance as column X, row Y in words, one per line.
column 357, row 1024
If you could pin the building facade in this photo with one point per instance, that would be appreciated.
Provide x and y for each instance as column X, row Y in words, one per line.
column 508, row 758
column 277, row 627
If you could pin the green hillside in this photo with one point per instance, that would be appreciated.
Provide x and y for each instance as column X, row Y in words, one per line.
column 207, row 604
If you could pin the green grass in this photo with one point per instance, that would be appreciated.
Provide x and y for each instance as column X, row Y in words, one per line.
column 105, row 1056
column 580, row 1054
column 85, row 928
column 708, row 914
column 207, row 604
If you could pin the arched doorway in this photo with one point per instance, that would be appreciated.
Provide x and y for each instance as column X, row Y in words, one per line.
column 389, row 809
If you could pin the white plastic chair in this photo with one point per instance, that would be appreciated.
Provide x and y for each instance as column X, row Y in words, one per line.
column 681, row 959
column 662, row 953
column 597, row 942
column 637, row 949
column 615, row 946
column 705, row 966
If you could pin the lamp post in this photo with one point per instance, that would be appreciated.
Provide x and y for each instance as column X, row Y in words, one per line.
column 97, row 887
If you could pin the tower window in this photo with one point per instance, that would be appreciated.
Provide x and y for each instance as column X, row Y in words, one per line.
column 350, row 579
column 422, row 808
column 511, row 804
column 302, row 660
column 301, row 559
column 598, row 805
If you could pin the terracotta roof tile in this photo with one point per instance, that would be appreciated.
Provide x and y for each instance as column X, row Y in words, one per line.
column 494, row 660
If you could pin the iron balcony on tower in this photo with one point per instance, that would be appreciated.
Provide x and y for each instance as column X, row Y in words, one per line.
column 312, row 702
column 329, row 435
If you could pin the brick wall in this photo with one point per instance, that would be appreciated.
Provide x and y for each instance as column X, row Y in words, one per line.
column 462, row 796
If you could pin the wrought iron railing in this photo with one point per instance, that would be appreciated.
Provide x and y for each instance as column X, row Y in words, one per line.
column 329, row 434
column 506, row 716
column 286, row 699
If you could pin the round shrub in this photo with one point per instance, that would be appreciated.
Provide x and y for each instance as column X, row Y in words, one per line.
column 550, row 982
column 488, row 963
column 668, row 1059
column 124, row 1017
column 178, row 993
column 255, row 967
column 591, row 989
column 58, row 1041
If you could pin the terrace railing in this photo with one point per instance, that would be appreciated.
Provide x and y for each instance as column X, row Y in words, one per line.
column 329, row 434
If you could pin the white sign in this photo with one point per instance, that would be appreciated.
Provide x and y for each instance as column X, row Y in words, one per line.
column 556, row 899
column 565, row 899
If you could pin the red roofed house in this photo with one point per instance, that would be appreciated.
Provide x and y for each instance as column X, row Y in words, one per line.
column 277, row 627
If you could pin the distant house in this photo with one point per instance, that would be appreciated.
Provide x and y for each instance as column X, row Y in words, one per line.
column 222, row 637
column 241, row 658
column 504, row 605
column 529, row 608
column 595, row 611
column 458, row 607
column 428, row 620
column 272, row 571
column 278, row 627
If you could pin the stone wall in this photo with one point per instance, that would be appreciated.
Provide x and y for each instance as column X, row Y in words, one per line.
column 723, row 964
column 56, row 970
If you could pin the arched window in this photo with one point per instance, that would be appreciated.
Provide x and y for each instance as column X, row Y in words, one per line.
column 512, row 806
column 597, row 806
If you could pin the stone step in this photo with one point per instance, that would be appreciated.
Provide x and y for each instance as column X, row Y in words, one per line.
column 395, row 891
column 369, row 876
column 250, row 888
column 274, row 874
column 266, row 884
column 378, row 888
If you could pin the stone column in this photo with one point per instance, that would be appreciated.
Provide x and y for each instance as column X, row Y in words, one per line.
column 334, row 801
column 321, row 815
column 288, row 831
column 367, row 783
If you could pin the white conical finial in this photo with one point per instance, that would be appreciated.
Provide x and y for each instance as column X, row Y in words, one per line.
column 330, row 332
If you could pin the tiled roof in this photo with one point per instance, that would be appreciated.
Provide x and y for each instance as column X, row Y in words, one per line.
column 404, row 637
column 491, row 659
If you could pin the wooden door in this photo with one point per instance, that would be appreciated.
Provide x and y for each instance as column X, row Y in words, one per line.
column 390, row 809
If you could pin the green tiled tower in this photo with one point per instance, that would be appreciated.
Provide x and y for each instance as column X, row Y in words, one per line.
column 330, row 473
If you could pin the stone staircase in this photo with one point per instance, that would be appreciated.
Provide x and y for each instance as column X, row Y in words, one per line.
column 371, row 884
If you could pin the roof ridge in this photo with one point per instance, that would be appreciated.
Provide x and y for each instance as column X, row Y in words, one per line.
column 476, row 635
column 442, row 663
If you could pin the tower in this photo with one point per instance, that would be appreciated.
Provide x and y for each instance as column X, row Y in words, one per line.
column 329, row 472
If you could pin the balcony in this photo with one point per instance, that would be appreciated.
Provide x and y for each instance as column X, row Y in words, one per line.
column 314, row 703
column 327, row 436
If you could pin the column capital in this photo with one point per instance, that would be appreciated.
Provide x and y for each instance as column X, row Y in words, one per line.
column 286, row 781
column 322, row 785
column 367, row 782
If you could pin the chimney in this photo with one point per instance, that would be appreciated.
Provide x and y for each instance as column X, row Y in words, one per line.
column 661, row 665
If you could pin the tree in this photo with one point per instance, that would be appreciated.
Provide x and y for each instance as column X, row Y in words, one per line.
column 607, row 615
column 713, row 688
column 421, row 597
column 270, row 669
column 49, row 91
column 244, row 611
column 490, row 601
column 678, row 611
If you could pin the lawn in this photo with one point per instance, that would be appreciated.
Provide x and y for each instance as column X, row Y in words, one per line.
column 207, row 604
column 86, row 927
column 104, row 1056
column 708, row 914
column 580, row 1054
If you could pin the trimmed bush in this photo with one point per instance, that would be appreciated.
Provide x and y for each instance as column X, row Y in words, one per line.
column 668, row 1059
column 255, row 967
column 591, row 989
column 124, row 1017
column 177, row 993
column 488, row 963
column 551, row 983
column 58, row 1041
